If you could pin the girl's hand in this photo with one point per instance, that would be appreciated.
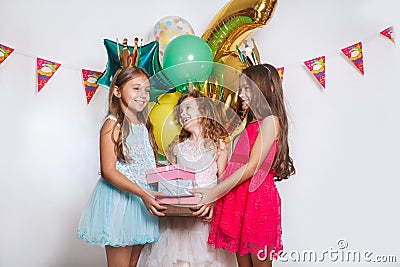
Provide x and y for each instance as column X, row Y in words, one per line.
column 209, row 217
column 149, row 201
column 206, row 205
column 205, row 212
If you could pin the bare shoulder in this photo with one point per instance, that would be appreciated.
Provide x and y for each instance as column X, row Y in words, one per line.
column 108, row 127
column 270, row 124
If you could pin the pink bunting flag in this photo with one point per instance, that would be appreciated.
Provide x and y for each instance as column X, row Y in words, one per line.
column 355, row 55
column 90, row 78
column 388, row 33
column 281, row 70
column 5, row 52
column 317, row 68
column 45, row 70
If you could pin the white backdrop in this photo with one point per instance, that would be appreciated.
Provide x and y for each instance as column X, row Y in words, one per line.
column 344, row 140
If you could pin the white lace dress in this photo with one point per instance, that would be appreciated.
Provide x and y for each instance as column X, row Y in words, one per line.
column 183, row 240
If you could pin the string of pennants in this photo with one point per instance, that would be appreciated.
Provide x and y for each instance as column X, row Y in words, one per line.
column 46, row 68
column 354, row 54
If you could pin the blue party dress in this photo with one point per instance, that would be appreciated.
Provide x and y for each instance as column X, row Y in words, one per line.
column 114, row 217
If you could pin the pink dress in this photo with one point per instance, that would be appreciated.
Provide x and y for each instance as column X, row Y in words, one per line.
column 248, row 218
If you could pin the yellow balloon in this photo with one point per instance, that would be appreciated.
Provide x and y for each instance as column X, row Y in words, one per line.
column 165, row 128
column 169, row 98
column 150, row 105
column 233, row 24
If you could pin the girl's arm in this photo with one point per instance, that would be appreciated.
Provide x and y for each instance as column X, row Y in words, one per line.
column 222, row 159
column 108, row 159
column 267, row 134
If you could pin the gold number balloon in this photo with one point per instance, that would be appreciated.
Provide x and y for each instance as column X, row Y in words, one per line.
column 230, row 28
column 234, row 23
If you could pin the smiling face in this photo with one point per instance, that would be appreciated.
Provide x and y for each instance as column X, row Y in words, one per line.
column 245, row 92
column 134, row 94
column 189, row 114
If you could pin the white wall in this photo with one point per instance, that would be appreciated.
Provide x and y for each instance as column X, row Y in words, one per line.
column 344, row 140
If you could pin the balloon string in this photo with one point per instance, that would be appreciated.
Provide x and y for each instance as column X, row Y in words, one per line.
column 64, row 65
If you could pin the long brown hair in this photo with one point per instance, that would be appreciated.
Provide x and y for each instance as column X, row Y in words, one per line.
column 211, row 119
column 267, row 99
column 121, row 77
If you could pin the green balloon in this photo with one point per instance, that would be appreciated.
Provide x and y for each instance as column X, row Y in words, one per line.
column 187, row 58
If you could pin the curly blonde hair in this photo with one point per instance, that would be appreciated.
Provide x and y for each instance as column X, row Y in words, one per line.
column 211, row 120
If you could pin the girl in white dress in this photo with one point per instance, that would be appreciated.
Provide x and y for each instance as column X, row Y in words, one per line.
column 183, row 240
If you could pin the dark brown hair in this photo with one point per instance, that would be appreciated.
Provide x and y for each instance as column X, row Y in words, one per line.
column 121, row 77
column 267, row 99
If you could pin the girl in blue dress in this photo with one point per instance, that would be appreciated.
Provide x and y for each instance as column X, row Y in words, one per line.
column 121, row 214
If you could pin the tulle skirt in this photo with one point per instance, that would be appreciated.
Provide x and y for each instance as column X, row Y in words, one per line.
column 114, row 217
column 183, row 242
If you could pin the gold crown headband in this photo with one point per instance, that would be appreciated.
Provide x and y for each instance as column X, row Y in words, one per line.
column 126, row 58
column 249, row 56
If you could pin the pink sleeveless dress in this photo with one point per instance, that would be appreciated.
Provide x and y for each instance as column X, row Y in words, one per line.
column 248, row 218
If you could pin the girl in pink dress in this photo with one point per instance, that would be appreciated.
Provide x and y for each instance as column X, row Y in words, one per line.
column 247, row 215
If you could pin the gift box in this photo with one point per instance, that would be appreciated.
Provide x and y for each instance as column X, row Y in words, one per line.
column 179, row 206
column 178, row 210
column 175, row 182
column 170, row 172
column 175, row 188
column 192, row 200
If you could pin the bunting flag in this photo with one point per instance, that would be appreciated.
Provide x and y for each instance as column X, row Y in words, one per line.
column 90, row 78
column 355, row 55
column 5, row 51
column 45, row 70
column 317, row 68
column 388, row 33
column 148, row 59
column 281, row 70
